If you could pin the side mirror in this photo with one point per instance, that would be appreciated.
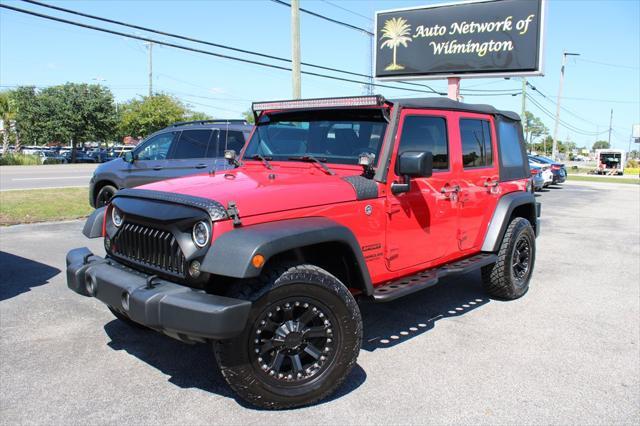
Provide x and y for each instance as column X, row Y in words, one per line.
column 128, row 157
column 412, row 164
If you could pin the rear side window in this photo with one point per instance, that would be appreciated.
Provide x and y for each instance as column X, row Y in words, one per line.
column 510, row 149
column 422, row 133
column 224, row 140
column 476, row 143
column 192, row 144
column 513, row 157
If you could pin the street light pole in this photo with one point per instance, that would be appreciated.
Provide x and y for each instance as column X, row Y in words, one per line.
column 295, row 48
column 554, row 152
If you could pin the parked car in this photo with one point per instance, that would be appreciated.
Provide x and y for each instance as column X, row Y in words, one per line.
column 558, row 169
column 81, row 157
column 180, row 149
column 99, row 155
column 266, row 261
column 545, row 170
column 50, row 157
column 536, row 178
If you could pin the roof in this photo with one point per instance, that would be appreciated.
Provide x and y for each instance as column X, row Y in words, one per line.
column 448, row 104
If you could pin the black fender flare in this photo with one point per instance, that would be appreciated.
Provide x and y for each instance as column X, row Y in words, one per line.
column 93, row 225
column 231, row 253
column 502, row 213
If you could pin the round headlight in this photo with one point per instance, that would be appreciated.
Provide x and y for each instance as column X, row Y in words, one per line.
column 201, row 234
column 116, row 217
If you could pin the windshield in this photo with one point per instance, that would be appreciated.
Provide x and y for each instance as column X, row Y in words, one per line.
column 332, row 136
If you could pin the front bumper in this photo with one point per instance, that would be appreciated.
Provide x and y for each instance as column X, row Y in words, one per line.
column 175, row 310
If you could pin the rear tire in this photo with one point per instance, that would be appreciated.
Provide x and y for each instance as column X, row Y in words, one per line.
column 105, row 195
column 301, row 341
column 509, row 277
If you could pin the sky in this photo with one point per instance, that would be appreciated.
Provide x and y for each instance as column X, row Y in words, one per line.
column 38, row 52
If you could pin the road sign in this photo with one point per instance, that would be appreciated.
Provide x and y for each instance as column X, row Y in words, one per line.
column 486, row 38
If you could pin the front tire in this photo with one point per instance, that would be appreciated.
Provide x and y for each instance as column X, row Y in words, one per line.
column 301, row 341
column 105, row 195
column 509, row 277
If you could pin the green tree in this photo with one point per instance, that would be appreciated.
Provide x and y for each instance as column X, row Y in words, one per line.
column 533, row 128
column 70, row 112
column 141, row 117
column 198, row 116
column 248, row 115
column 601, row 145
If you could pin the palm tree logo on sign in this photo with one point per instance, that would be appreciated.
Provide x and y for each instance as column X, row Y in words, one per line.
column 396, row 32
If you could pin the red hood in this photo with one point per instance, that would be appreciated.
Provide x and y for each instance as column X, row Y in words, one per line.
column 294, row 186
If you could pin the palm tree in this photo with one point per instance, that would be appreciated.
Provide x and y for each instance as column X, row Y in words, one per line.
column 396, row 31
column 7, row 115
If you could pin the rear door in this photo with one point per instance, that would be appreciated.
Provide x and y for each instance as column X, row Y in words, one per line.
column 478, row 178
column 190, row 153
column 151, row 160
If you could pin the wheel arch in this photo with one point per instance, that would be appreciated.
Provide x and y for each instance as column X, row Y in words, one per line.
column 315, row 240
column 99, row 185
column 511, row 205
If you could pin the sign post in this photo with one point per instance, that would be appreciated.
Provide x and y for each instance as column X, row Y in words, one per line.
column 478, row 38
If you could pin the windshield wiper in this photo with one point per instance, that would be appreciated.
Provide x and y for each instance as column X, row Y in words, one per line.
column 265, row 160
column 312, row 159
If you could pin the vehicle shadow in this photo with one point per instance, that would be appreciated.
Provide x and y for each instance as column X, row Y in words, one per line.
column 388, row 324
column 19, row 275
column 192, row 366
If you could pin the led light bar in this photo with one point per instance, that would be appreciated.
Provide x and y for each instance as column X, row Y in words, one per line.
column 352, row 101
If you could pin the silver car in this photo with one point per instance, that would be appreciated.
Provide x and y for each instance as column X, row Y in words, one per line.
column 179, row 150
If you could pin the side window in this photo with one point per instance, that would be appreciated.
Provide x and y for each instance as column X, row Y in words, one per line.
column 224, row 140
column 476, row 143
column 510, row 149
column 192, row 144
column 156, row 148
column 422, row 133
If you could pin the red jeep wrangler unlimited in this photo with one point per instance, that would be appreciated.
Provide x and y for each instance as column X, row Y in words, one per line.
column 331, row 200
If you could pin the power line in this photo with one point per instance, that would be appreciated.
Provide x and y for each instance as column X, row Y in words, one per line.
column 608, row 64
column 218, row 45
column 326, row 18
column 347, row 10
column 206, row 52
column 561, row 122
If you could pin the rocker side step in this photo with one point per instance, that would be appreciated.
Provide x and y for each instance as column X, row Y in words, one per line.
column 429, row 277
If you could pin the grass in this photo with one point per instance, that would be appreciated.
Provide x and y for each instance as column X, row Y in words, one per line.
column 42, row 205
column 607, row 179
column 20, row 160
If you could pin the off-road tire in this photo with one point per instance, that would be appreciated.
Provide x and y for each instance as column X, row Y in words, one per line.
column 125, row 319
column 499, row 279
column 104, row 195
column 274, row 288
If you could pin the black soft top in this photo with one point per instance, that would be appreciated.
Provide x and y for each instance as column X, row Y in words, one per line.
column 448, row 104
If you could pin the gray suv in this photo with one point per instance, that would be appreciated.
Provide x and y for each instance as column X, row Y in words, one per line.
column 180, row 149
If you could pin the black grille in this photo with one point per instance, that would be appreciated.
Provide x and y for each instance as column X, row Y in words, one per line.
column 153, row 248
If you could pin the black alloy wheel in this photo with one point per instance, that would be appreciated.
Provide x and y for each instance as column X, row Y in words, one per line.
column 294, row 341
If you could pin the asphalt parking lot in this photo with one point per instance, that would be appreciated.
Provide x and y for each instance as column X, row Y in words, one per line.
column 566, row 353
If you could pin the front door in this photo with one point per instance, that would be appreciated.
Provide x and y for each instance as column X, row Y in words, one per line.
column 478, row 180
column 150, row 161
column 422, row 223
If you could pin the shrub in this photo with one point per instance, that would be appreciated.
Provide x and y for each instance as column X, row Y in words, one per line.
column 19, row 160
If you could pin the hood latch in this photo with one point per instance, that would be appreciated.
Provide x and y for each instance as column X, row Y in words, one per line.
column 233, row 213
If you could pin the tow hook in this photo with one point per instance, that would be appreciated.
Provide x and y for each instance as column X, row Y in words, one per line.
column 150, row 279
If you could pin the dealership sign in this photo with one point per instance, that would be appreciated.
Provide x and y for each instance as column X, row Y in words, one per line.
column 477, row 38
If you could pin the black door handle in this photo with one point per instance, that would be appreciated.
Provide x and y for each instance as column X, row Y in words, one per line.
column 157, row 168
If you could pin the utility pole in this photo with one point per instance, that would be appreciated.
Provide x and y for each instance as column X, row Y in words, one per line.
column 150, row 47
column 610, row 125
column 524, row 99
column 554, row 152
column 295, row 48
